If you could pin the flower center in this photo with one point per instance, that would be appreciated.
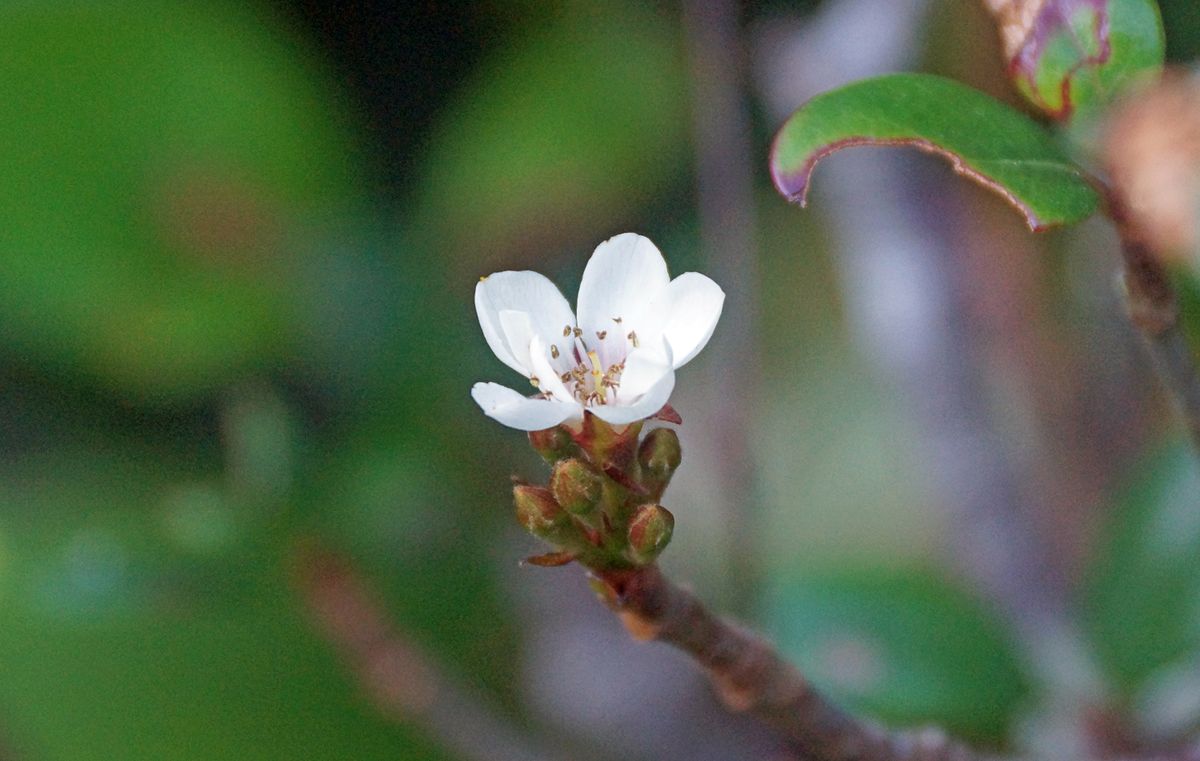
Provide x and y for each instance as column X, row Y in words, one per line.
column 582, row 367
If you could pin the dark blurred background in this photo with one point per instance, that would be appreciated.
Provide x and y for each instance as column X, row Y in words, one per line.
column 248, row 509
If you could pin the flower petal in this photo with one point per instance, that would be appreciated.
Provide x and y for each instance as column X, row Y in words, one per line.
column 623, row 276
column 691, row 306
column 545, row 372
column 527, row 292
column 644, row 368
column 517, row 332
column 650, row 402
column 516, row 411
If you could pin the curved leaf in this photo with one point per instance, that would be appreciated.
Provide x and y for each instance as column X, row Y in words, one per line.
column 1076, row 55
column 982, row 138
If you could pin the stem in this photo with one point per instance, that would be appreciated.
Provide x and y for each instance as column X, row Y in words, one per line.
column 403, row 683
column 751, row 677
column 1154, row 310
column 725, row 199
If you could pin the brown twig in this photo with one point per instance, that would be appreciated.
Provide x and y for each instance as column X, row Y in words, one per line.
column 751, row 677
column 402, row 682
column 1154, row 310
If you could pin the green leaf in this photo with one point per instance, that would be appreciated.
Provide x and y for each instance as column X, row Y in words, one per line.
column 904, row 646
column 576, row 124
column 158, row 159
column 1142, row 602
column 146, row 617
column 1077, row 55
column 982, row 138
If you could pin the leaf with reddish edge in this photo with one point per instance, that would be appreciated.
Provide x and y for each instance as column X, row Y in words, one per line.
column 550, row 560
column 982, row 139
column 1074, row 56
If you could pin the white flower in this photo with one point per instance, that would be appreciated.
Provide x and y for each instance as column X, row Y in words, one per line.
column 635, row 327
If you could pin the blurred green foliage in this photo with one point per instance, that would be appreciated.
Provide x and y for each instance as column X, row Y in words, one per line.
column 1143, row 610
column 903, row 645
column 583, row 120
column 216, row 344
column 158, row 159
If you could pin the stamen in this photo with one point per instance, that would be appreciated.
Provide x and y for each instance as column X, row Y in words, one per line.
column 617, row 320
column 633, row 338
column 597, row 375
column 566, row 330
column 602, row 334
column 536, row 383
column 578, row 332
column 554, row 351
column 565, row 377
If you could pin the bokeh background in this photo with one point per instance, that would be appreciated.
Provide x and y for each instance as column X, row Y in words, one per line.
column 249, row 511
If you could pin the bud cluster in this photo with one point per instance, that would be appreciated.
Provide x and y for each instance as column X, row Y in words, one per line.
column 601, row 504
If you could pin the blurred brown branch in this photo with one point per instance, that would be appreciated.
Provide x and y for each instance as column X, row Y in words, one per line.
column 403, row 682
column 725, row 201
column 1154, row 309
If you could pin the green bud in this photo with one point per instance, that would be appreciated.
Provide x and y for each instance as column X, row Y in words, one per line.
column 576, row 486
column 538, row 512
column 650, row 532
column 660, row 452
column 553, row 444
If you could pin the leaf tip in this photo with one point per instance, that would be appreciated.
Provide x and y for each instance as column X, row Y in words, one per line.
column 791, row 184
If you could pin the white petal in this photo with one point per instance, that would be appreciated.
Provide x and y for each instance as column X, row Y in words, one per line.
column 527, row 292
column 644, row 368
column 516, row 411
column 623, row 276
column 517, row 332
column 651, row 402
column 691, row 305
column 544, row 371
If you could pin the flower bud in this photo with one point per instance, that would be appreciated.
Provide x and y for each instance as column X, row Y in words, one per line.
column 575, row 486
column 659, row 456
column 537, row 511
column 650, row 532
column 553, row 444
column 660, row 452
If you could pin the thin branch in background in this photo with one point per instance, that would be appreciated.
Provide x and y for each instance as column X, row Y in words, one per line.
column 725, row 196
column 1154, row 309
column 401, row 681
